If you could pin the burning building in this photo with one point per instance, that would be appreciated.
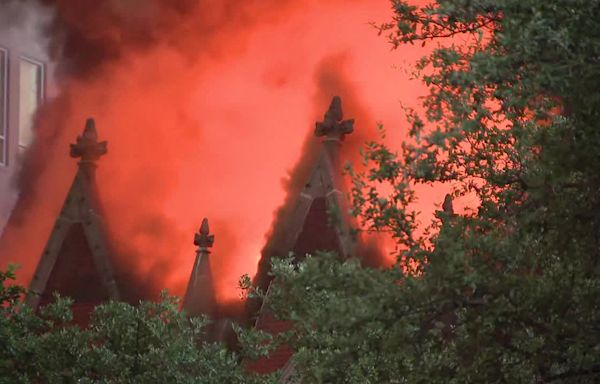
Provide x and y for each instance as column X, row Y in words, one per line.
column 202, row 120
column 77, row 260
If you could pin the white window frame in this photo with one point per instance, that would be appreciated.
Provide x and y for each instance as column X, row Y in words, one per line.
column 42, row 66
column 4, row 117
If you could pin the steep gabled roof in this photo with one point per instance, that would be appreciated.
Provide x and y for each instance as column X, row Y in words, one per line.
column 317, row 222
column 318, row 219
column 76, row 260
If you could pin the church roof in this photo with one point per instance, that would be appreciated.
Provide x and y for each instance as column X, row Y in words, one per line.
column 318, row 221
column 76, row 260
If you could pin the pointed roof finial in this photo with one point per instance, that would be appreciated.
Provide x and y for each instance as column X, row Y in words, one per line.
column 87, row 146
column 200, row 296
column 203, row 239
column 333, row 126
column 447, row 206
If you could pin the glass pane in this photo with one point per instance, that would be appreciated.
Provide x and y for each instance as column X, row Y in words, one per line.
column 30, row 97
column 3, row 105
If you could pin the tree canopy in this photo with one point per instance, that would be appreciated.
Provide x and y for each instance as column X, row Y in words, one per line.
column 508, row 289
column 152, row 342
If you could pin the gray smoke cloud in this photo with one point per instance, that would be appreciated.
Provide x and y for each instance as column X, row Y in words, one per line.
column 23, row 24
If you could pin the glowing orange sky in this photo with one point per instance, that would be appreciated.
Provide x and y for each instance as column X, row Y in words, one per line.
column 214, row 135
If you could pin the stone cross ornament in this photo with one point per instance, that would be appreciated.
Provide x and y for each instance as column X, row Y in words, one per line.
column 87, row 146
column 203, row 239
column 333, row 125
column 88, row 149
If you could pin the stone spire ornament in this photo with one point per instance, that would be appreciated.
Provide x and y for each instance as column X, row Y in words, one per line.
column 333, row 126
column 203, row 239
column 200, row 296
column 447, row 205
column 88, row 149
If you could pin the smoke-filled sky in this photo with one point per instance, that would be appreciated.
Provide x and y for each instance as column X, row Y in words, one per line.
column 207, row 106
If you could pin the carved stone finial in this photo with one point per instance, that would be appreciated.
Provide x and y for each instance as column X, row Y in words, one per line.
column 87, row 146
column 333, row 126
column 447, row 205
column 203, row 239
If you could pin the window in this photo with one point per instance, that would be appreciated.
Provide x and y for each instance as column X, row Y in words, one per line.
column 3, row 103
column 31, row 90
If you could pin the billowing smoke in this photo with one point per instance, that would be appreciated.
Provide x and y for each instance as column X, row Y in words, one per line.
column 207, row 106
column 21, row 34
column 21, row 21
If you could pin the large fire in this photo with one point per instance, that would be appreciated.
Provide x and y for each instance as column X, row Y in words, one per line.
column 206, row 106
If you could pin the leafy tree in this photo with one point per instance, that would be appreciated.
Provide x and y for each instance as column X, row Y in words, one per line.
column 509, row 290
column 148, row 343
